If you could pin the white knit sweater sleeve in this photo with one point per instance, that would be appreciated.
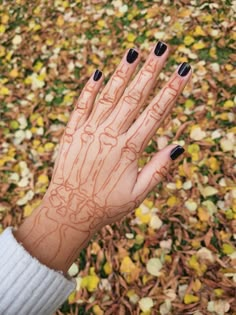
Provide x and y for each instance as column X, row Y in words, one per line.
column 28, row 287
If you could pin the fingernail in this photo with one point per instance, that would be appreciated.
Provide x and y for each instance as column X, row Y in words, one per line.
column 160, row 49
column 132, row 55
column 184, row 69
column 97, row 75
column 176, row 152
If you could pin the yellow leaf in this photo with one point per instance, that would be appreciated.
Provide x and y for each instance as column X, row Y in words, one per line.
column 71, row 297
column 2, row 29
column 4, row 91
column 33, row 129
column 172, row 201
column 129, row 269
column 40, row 122
column 194, row 150
column 184, row 12
column 168, row 259
column 199, row 45
column 5, row 18
column 14, row 73
column 2, row 51
column 196, row 244
column 28, row 80
column 206, row 18
column 181, row 170
column 229, row 104
column 91, row 281
column 127, row 265
column 38, row 66
column 68, row 98
column 49, row 146
column 139, row 239
column 199, row 31
column 101, row 23
column 212, row 53
column 229, row 67
column 195, row 265
column 148, row 203
column 65, row 4
column 4, row 160
column 42, row 76
column 197, row 285
column 97, row 310
column 146, row 278
column 143, row 217
column 213, row 163
column 133, row 297
column 188, row 40
column 37, row 10
column 218, row 292
column 131, row 37
column 60, row 21
column 9, row 55
column 228, row 249
column 49, row 42
column 43, row 179
column 189, row 103
column 177, row 27
column 40, row 149
column 28, row 209
column 189, row 298
column 107, row 268
column 178, row 184
column 203, row 214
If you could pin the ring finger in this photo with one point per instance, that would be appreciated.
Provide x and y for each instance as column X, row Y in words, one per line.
column 113, row 90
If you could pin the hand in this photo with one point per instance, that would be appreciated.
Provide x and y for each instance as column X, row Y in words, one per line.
column 96, row 179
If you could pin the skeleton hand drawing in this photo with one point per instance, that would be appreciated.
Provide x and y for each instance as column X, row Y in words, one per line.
column 96, row 180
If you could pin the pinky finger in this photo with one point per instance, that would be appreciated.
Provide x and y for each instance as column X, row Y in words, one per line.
column 78, row 117
column 85, row 102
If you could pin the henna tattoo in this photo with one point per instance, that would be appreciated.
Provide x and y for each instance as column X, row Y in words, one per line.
column 96, row 158
column 133, row 99
column 75, row 121
column 110, row 96
column 148, row 122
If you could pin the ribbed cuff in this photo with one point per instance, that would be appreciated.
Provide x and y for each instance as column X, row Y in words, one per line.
column 28, row 287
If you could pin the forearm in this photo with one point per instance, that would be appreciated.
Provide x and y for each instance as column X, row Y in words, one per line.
column 53, row 243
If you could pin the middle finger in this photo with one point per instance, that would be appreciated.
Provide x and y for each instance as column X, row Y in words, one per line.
column 137, row 92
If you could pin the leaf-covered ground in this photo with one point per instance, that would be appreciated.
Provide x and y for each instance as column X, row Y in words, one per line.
column 175, row 254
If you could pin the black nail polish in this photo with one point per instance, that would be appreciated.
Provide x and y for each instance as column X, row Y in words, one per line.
column 176, row 152
column 97, row 75
column 160, row 49
column 184, row 69
column 132, row 55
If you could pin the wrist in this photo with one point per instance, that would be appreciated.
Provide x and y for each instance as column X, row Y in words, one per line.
column 53, row 243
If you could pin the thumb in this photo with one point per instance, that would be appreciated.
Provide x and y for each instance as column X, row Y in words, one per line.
column 153, row 172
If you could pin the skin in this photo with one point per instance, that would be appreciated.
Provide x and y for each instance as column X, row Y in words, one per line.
column 96, row 180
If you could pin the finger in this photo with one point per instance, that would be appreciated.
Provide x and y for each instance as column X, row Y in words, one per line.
column 155, row 170
column 135, row 95
column 129, row 104
column 78, row 117
column 151, row 118
column 113, row 90
column 85, row 102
